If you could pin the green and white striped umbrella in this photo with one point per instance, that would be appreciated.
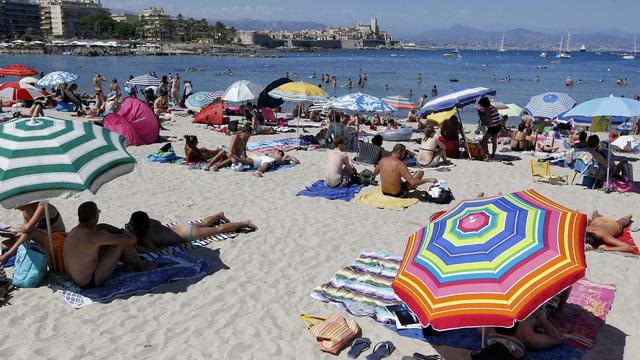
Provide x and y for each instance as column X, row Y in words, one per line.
column 42, row 158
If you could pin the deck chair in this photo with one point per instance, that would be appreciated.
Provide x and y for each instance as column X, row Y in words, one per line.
column 368, row 153
column 541, row 171
column 271, row 119
column 588, row 169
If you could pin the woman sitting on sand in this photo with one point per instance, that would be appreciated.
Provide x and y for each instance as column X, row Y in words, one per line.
column 35, row 228
column 519, row 140
column 194, row 154
column 432, row 149
column 152, row 234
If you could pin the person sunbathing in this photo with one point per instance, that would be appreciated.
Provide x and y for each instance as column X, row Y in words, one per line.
column 152, row 234
column 264, row 163
column 237, row 148
column 193, row 154
column 35, row 228
column 602, row 233
column 535, row 333
column 338, row 169
column 393, row 170
column 432, row 150
column 92, row 250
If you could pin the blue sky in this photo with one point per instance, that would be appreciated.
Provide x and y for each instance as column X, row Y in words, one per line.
column 415, row 16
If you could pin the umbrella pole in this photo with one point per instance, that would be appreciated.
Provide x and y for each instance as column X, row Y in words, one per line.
column 50, row 238
column 607, row 187
column 482, row 339
column 464, row 138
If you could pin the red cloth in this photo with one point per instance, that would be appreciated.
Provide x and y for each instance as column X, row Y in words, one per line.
column 452, row 148
column 627, row 238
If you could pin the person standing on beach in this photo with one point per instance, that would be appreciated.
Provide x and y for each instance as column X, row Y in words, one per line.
column 491, row 118
column 98, row 79
column 114, row 87
column 188, row 90
column 175, row 89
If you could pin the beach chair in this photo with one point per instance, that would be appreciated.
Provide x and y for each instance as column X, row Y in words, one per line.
column 587, row 169
column 271, row 119
column 368, row 153
column 541, row 170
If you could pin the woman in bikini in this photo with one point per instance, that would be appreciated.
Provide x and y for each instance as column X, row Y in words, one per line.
column 519, row 140
column 194, row 154
column 35, row 228
column 152, row 234
column 432, row 149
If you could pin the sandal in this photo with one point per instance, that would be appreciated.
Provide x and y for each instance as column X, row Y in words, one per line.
column 381, row 351
column 359, row 346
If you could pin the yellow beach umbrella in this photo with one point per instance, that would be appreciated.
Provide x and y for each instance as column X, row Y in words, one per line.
column 512, row 110
column 298, row 91
column 440, row 117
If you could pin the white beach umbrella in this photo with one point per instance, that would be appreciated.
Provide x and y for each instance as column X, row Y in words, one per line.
column 242, row 90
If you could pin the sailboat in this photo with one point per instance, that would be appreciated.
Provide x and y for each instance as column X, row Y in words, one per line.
column 631, row 57
column 544, row 54
column 502, row 49
column 561, row 53
column 568, row 49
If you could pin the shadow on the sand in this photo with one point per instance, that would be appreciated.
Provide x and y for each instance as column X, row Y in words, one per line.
column 610, row 345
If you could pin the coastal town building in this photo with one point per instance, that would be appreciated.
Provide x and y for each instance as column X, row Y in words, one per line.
column 361, row 36
column 125, row 17
column 159, row 26
column 19, row 17
column 61, row 18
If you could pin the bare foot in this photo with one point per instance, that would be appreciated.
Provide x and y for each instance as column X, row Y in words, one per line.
column 481, row 195
column 257, row 174
column 223, row 218
column 249, row 225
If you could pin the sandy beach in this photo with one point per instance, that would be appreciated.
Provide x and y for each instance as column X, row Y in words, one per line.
column 248, row 308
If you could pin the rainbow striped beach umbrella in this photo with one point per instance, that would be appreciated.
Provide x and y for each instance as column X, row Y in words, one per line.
column 400, row 102
column 491, row 261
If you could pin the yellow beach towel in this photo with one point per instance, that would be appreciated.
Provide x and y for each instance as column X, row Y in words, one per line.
column 377, row 199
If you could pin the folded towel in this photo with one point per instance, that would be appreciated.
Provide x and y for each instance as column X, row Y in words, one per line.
column 377, row 199
column 320, row 189
column 171, row 268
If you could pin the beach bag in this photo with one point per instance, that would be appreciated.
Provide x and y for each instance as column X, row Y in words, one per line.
column 164, row 155
column 445, row 196
column 30, row 267
column 474, row 151
column 64, row 107
column 627, row 172
column 306, row 140
column 332, row 333
column 364, row 178
column 619, row 186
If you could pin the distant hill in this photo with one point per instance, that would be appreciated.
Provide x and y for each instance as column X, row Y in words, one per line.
column 520, row 38
column 258, row 25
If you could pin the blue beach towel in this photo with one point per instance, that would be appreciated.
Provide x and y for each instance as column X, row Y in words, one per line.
column 320, row 189
column 470, row 339
column 171, row 268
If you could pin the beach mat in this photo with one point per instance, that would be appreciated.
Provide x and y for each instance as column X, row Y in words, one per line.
column 364, row 287
column 320, row 189
column 171, row 268
column 588, row 304
column 379, row 200
column 470, row 339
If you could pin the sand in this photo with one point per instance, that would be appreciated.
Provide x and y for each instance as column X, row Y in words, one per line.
column 248, row 309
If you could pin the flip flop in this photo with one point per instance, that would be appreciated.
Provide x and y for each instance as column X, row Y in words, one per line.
column 358, row 347
column 381, row 350
column 418, row 356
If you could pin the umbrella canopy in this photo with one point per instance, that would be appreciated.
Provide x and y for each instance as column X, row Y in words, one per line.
column 145, row 81
column 455, row 98
column 609, row 106
column 264, row 100
column 44, row 157
column 358, row 102
column 57, row 78
column 490, row 261
column 320, row 104
column 549, row 105
column 14, row 91
column 17, row 70
column 511, row 110
column 199, row 100
column 400, row 102
column 299, row 92
column 440, row 117
column 241, row 90
column 28, row 80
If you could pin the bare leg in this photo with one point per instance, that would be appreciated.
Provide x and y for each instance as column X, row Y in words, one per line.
column 262, row 169
column 212, row 220
column 214, row 160
column 205, row 232
column 595, row 215
column 613, row 244
column 110, row 257
column 624, row 221
column 418, row 176
column 494, row 143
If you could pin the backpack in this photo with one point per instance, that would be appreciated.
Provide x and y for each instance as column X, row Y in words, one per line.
column 445, row 196
column 30, row 267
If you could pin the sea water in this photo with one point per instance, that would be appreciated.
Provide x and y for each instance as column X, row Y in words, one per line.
column 594, row 75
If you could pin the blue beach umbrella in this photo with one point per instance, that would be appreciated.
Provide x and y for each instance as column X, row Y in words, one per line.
column 549, row 105
column 359, row 102
column 610, row 107
column 199, row 100
column 455, row 98
column 57, row 78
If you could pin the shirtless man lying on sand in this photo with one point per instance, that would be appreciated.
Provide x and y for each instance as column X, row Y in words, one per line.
column 237, row 148
column 152, row 234
column 393, row 170
column 264, row 163
column 92, row 250
column 602, row 233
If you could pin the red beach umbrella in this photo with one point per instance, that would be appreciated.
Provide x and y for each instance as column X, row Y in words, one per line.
column 18, row 70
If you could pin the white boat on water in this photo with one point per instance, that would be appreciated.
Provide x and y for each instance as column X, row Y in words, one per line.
column 631, row 57
column 583, row 48
column 502, row 49
column 544, row 54
column 562, row 54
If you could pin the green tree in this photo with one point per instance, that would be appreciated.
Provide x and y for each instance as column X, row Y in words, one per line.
column 124, row 31
column 97, row 25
